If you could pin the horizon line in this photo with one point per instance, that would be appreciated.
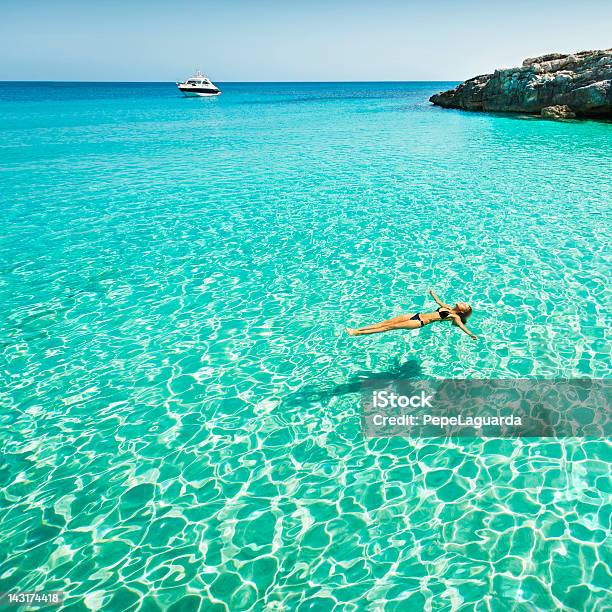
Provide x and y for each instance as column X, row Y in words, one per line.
column 236, row 82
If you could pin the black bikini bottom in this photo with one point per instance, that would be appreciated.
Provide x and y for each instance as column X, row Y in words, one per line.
column 417, row 317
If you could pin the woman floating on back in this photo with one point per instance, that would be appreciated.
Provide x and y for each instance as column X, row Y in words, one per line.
column 457, row 314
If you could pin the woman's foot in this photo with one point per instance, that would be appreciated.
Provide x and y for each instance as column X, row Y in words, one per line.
column 351, row 332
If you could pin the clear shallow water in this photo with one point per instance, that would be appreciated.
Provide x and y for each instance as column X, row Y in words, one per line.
column 179, row 403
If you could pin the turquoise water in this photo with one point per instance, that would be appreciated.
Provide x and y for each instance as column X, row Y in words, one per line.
column 180, row 405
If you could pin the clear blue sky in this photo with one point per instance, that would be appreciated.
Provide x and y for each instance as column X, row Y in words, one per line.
column 284, row 40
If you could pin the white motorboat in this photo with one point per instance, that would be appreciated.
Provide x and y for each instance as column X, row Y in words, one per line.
column 199, row 85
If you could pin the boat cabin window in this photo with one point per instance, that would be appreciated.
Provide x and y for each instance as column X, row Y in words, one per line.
column 198, row 82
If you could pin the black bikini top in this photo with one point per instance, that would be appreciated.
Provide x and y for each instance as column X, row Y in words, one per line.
column 443, row 313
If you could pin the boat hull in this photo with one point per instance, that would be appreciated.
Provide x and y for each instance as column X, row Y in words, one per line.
column 193, row 92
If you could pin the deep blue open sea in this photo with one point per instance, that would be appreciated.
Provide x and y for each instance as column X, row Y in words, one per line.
column 179, row 423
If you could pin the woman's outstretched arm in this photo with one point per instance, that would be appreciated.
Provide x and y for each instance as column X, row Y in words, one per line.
column 459, row 323
column 439, row 302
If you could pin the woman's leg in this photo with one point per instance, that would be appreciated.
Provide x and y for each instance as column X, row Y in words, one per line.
column 401, row 322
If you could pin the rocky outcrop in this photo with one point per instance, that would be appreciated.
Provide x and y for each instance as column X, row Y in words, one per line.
column 561, row 111
column 556, row 86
